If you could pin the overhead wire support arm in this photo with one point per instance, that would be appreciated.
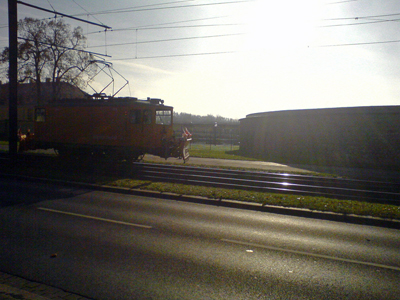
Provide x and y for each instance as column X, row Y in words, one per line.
column 64, row 15
column 13, row 67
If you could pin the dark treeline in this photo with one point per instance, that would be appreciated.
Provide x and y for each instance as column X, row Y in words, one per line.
column 185, row 118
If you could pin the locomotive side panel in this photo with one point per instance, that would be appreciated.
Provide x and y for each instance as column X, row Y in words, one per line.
column 108, row 126
column 79, row 125
column 123, row 129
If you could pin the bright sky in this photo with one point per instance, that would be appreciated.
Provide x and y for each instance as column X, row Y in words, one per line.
column 236, row 57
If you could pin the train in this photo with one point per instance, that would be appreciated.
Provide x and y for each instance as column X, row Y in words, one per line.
column 123, row 128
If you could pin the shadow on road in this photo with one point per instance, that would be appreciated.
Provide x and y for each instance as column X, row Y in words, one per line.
column 14, row 192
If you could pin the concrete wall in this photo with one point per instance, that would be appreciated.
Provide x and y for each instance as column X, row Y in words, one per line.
column 355, row 136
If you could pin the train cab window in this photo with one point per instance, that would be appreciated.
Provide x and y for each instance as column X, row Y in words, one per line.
column 29, row 114
column 40, row 115
column 135, row 116
column 163, row 117
column 147, row 116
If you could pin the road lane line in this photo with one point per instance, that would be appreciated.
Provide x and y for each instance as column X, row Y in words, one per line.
column 93, row 218
column 312, row 254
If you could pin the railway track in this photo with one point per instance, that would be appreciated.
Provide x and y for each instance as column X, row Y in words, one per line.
column 373, row 191
column 339, row 188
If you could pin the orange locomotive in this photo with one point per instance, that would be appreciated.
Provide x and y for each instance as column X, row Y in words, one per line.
column 122, row 128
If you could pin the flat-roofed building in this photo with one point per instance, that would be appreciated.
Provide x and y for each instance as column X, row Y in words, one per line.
column 350, row 136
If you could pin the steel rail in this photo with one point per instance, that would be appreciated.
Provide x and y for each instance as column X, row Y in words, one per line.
column 373, row 191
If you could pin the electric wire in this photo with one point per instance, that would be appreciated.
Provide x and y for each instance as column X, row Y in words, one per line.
column 169, row 40
column 51, row 6
column 179, row 22
column 357, row 44
column 135, row 9
column 175, row 55
column 365, row 17
column 122, row 9
column 374, row 19
column 141, row 6
column 144, row 27
column 62, row 14
column 67, row 48
column 178, row 27
column 362, row 23
column 87, row 12
column 339, row 2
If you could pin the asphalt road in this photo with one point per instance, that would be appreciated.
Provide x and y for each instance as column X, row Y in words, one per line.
column 114, row 246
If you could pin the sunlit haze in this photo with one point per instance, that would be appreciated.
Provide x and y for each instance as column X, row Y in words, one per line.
column 233, row 58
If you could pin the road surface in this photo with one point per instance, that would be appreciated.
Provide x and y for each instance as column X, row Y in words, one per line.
column 113, row 246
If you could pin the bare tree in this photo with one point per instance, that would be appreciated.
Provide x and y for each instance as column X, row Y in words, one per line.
column 32, row 54
column 68, row 62
column 50, row 49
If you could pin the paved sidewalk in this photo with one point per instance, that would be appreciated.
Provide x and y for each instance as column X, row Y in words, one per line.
column 13, row 287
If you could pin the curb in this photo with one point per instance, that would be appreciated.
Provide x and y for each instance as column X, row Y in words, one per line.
column 298, row 212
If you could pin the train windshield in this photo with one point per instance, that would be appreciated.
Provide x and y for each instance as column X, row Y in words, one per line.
column 40, row 115
column 164, row 117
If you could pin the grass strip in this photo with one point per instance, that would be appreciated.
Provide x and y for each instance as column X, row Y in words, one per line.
column 100, row 174
column 286, row 200
column 218, row 151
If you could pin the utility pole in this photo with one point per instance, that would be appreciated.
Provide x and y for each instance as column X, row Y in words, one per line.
column 13, row 84
column 13, row 70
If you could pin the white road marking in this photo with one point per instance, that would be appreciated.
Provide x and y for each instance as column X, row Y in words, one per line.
column 313, row 254
column 93, row 218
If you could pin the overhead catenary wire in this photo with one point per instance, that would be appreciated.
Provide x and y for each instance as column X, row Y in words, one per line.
column 67, row 48
column 169, row 40
column 87, row 12
column 51, row 5
column 176, row 55
column 356, row 44
column 167, row 5
column 340, row 2
column 360, row 23
column 159, row 25
column 177, row 27
column 92, row 15
column 138, row 9
column 62, row 14
column 181, row 21
column 143, row 6
column 363, row 17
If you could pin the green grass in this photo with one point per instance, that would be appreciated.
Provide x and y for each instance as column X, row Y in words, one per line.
column 217, row 151
column 285, row 200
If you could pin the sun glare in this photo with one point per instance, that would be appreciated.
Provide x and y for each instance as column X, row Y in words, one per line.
column 276, row 24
